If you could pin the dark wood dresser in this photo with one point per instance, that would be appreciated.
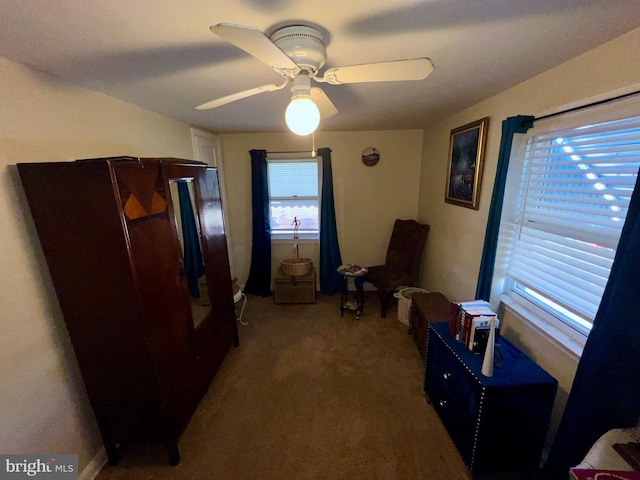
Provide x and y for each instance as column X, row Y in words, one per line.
column 426, row 308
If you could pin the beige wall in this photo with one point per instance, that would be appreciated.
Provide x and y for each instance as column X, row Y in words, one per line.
column 367, row 199
column 43, row 403
column 452, row 257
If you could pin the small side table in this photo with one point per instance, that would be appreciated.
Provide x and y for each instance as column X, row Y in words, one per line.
column 349, row 270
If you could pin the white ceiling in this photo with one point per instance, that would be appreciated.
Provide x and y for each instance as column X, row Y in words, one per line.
column 160, row 54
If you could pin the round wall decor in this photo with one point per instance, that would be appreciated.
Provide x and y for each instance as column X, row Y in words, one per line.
column 370, row 156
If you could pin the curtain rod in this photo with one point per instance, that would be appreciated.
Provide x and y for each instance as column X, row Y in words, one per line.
column 292, row 151
column 592, row 104
column 313, row 150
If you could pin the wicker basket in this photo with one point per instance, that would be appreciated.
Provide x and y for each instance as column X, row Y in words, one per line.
column 404, row 296
column 296, row 267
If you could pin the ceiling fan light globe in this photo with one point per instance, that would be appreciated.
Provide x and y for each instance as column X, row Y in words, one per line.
column 302, row 116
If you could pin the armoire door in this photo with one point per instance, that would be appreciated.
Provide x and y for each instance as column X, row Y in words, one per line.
column 157, row 262
column 215, row 245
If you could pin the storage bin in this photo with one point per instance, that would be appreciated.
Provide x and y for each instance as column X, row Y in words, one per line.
column 404, row 296
column 295, row 289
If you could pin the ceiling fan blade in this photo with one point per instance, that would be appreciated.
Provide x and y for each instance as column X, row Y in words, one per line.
column 239, row 96
column 399, row 70
column 255, row 43
column 324, row 104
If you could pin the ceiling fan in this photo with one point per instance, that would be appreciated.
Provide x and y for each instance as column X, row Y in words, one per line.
column 298, row 52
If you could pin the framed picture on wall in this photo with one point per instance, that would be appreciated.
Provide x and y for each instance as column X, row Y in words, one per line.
column 466, row 159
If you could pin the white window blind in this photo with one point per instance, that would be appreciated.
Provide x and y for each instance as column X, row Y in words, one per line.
column 293, row 179
column 577, row 180
column 293, row 195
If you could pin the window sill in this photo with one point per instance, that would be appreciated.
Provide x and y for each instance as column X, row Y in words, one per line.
column 570, row 344
column 287, row 238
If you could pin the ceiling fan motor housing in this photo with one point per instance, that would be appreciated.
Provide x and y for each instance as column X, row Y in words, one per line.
column 303, row 44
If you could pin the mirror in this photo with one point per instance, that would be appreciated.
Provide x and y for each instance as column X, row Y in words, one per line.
column 189, row 235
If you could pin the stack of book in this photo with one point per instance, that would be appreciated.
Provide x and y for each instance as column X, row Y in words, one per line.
column 470, row 322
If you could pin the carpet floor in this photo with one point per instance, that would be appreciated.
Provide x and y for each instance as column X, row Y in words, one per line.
column 310, row 395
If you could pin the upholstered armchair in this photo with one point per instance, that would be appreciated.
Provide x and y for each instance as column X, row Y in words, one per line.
column 402, row 264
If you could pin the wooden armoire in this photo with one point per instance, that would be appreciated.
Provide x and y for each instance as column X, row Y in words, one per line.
column 114, row 237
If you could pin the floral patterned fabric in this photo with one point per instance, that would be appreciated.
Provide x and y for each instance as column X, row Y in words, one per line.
column 351, row 270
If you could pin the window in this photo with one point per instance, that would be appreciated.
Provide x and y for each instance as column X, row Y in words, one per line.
column 573, row 191
column 293, row 196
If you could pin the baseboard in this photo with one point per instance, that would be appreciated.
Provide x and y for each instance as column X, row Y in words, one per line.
column 92, row 470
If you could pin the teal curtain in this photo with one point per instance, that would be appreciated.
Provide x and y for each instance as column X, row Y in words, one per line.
column 510, row 127
column 606, row 389
column 259, row 281
column 330, row 260
column 193, row 262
